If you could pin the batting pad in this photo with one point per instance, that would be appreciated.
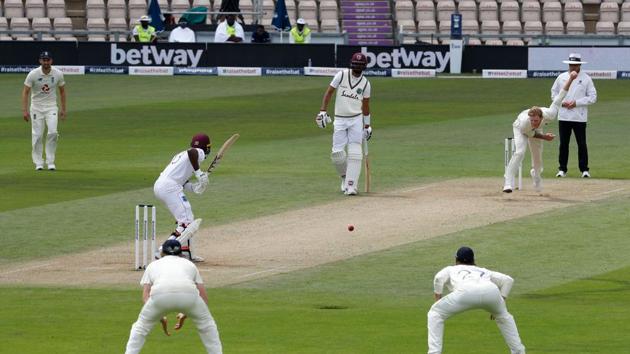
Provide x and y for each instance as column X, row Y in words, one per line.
column 355, row 156
column 189, row 232
column 339, row 161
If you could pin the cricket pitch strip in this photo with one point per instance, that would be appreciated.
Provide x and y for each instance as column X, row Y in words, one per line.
column 308, row 237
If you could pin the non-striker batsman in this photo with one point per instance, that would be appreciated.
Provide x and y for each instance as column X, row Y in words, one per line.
column 352, row 121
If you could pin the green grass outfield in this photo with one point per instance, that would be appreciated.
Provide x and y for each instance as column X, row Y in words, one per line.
column 570, row 265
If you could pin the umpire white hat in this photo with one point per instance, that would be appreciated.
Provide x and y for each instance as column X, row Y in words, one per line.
column 574, row 59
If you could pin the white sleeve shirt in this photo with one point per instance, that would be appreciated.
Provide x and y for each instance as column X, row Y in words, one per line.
column 182, row 35
column 170, row 274
column 582, row 91
column 460, row 277
column 524, row 125
column 180, row 169
column 44, row 88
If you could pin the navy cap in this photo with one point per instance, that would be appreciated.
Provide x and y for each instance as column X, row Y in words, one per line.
column 45, row 55
column 172, row 247
column 465, row 255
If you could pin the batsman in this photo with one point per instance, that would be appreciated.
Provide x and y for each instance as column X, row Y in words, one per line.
column 528, row 130
column 352, row 121
column 175, row 180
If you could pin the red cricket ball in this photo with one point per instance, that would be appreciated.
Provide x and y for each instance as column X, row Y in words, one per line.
column 350, row 227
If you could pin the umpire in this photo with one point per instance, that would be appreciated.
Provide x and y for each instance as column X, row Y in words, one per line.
column 573, row 114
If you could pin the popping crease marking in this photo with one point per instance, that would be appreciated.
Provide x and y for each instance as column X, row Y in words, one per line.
column 261, row 272
column 26, row 268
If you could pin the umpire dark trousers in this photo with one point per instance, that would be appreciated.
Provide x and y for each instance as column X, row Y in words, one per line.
column 579, row 128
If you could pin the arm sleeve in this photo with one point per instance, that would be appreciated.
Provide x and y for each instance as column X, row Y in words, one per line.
column 146, row 277
column 591, row 95
column 368, row 90
column 552, row 112
column 337, row 79
column 62, row 80
column 555, row 88
column 27, row 81
column 220, row 35
column 198, row 279
column 201, row 156
column 440, row 280
column 503, row 282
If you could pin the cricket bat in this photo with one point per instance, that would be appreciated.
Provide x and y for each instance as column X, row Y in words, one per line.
column 366, row 161
column 226, row 145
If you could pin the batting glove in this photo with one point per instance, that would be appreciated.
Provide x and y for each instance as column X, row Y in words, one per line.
column 322, row 119
column 367, row 133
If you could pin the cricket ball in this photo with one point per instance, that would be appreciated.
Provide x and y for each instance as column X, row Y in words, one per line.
column 350, row 227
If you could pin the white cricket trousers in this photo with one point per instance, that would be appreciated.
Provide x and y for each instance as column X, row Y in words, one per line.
column 484, row 296
column 347, row 131
column 172, row 195
column 189, row 303
column 520, row 142
column 40, row 119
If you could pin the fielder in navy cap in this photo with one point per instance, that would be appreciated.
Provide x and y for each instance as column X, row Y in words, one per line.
column 45, row 55
column 465, row 255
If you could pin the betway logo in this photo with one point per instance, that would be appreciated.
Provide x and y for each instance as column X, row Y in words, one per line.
column 400, row 57
column 150, row 55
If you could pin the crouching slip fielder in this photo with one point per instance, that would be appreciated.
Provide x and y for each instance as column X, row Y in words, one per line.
column 528, row 130
column 174, row 180
column 352, row 121
column 173, row 284
column 471, row 287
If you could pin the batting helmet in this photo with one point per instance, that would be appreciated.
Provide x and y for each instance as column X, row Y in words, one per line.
column 172, row 247
column 201, row 141
column 465, row 255
column 358, row 61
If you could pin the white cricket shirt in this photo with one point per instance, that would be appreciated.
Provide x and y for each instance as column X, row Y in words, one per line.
column 351, row 91
column 524, row 125
column 460, row 277
column 44, row 88
column 582, row 91
column 180, row 169
column 171, row 274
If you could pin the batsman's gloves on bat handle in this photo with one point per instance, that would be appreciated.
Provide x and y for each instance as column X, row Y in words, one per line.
column 322, row 119
column 367, row 133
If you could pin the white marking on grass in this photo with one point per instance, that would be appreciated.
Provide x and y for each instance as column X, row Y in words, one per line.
column 261, row 272
column 612, row 191
column 23, row 269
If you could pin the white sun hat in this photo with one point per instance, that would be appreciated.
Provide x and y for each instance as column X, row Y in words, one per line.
column 574, row 58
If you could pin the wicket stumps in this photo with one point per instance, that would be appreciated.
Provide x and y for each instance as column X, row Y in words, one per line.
column 510, row 149
column 147, row 255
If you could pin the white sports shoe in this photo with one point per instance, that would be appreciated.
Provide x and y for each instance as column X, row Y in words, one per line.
column 507, row 189
column 561, row 174
column 39, row 168
column 197, row 259
column 350, row 191
column 537, row 180
column 585, row 174
column 52, row 167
